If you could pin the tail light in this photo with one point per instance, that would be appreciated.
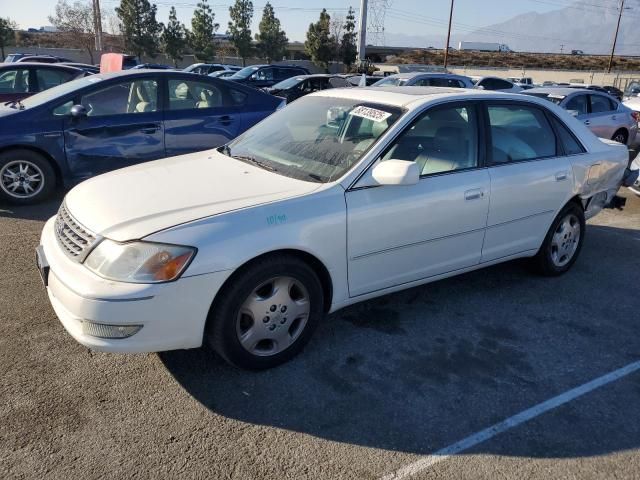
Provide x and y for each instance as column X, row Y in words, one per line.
column 636, row 116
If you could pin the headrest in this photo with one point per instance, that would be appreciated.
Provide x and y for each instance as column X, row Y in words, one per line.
column 182, row 91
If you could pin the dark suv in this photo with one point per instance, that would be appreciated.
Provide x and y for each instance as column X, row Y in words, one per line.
column 261, row 76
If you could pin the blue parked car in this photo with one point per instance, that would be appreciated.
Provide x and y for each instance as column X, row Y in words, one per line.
column 107, row 121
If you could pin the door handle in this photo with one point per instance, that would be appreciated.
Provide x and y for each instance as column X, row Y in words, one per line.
column 560, row 176
column 473, row 194
column 587, row 122
column 614, row 117
column 150, row 129
column 225, row 120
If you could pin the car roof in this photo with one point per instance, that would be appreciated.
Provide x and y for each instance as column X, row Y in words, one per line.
column 565, row 91
column 414, row 97
column 422, row 74
column 12, row 65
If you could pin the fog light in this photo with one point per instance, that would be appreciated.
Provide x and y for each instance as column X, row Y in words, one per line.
column 102, row 330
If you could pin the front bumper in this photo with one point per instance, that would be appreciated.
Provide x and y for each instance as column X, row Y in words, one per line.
column 172, row 315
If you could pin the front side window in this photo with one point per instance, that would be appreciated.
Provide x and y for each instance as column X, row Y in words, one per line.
column 390, row 82
column 578, row 104
column 189, row 94
column 601, row 104
column 264, row 74
column 317, row 139
column 442, row 140
column 519, row 133
column 15, row 81
column 133, row 96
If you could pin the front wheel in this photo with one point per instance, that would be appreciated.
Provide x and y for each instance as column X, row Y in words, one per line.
column 563, row 242
column 267, row 313
column 26, row 177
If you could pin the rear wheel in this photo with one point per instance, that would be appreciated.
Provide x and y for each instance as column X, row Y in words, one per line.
column 267, row 313
column 563, row 242
column 26, row 177
column 621, row 136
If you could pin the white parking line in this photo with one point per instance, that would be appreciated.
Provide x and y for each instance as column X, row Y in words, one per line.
column 511, row 422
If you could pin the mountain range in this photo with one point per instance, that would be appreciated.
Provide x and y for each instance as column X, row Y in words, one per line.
column 585, row 25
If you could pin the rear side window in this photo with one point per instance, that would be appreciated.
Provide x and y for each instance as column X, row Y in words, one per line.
column 519, row 133
column 570, row 145
column 600, row 104
column 48, row 78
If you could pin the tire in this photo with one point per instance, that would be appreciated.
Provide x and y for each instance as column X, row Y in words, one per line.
column 251, row 323
column 621, row 136
column 560, row 248
column 16, row 168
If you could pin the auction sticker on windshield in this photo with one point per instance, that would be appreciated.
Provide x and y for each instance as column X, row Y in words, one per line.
column 370, row 113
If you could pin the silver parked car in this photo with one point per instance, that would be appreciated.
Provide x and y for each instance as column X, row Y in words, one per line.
column 603, row 114
column 422, row 79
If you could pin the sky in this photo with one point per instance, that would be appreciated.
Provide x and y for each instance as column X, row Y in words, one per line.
column 296, row 16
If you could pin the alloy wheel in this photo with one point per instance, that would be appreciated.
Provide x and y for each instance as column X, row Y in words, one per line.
column 565, row 240
column 21, row 179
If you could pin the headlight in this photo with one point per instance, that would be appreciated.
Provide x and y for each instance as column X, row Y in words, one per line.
column 139, row 262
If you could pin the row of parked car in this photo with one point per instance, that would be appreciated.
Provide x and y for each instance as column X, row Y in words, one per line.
column 81, row 124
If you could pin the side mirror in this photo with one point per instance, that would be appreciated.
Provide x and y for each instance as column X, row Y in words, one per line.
column 78, row 111
column 480, row 87
column 396, row 172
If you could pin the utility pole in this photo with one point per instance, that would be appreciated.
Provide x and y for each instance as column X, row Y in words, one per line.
column 561, row 48
column 615, row 38
column 362, row 32
column 97, row 20
column 446, row 47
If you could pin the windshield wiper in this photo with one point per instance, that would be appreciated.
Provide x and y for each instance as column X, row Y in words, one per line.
column 13, row 103
column 255, row 161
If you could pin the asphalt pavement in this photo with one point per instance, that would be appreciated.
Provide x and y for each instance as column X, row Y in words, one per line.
column 382, row 385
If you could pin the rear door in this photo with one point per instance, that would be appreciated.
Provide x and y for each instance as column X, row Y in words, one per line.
column 123, row 126
column 200, row 114
column 603, row 115
column 530, row 178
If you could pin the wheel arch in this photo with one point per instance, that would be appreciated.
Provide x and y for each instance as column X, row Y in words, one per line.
column 54, row 164
column 313, row 261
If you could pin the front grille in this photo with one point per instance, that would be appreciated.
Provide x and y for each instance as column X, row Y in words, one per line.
column 74, row 239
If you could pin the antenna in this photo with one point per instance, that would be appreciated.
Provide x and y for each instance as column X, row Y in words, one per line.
column 376, row 17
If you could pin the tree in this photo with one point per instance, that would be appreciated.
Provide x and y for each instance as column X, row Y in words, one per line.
column 139, row 27
column 318, row 44
column 7, row 33
column 174, row 38
column 75, row 21
column 348, row 46
column 203, row 28
column 272, row 41
column 241, row 14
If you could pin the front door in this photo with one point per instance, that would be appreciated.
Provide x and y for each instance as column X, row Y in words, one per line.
column 201, row 115
column 400, row 234
column 122, row 126
column 530, row 180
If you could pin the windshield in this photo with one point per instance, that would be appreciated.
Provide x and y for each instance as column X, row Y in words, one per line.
column 390, row 82
column 59, row 91
column 557, row 99
column 288, row 83
column 244, row 73
column 316, row 139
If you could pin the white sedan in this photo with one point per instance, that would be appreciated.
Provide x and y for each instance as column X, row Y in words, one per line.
column 342, row 196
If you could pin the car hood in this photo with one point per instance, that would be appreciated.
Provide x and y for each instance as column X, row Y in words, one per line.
column 137, row 201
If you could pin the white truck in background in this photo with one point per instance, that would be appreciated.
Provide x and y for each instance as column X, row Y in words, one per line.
column 484, row 47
